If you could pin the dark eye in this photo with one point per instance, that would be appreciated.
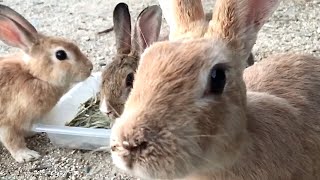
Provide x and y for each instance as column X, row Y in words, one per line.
column 61, row 55
column 217, row 80
column 129, row 80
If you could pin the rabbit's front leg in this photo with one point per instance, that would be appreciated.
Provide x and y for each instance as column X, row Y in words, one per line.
column 13, row 140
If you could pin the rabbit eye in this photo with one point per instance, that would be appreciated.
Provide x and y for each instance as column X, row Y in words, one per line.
column 61, row 55
column 129, row 80
column 217, row 80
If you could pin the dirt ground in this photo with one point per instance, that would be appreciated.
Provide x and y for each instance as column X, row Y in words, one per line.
column 293, row 27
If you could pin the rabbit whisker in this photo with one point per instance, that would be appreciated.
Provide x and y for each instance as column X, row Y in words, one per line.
column 208, row 135
column 117, row 113
column 144, row 39
column 215, row 165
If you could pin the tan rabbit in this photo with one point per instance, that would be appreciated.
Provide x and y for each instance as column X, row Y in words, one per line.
column 119, row 74
column 31, row 82
column 196, row 113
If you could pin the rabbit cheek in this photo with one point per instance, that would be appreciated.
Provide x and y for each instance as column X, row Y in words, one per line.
column 62, row 73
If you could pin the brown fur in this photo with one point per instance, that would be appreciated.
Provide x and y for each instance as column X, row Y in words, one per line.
column 30, row 86
column 265, row 124
column 188, row 21
column 114, row 91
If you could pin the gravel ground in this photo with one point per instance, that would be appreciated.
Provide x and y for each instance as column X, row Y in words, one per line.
column 293, row 27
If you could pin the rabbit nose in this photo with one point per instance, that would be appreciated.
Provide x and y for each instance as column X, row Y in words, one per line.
column 134, row 142
column 129, row 146
column 108, row 113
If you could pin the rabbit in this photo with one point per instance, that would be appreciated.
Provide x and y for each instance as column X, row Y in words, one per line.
column 118, row 76
column 195, row 112
column 33, row 80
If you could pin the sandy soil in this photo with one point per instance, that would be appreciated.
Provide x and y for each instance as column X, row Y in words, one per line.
column 293, row 27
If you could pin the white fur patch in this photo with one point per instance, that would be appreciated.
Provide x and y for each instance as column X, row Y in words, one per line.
column 103, row 106
column 119, row 162
column 26, row 155
column 26, row 58
column 3, row 131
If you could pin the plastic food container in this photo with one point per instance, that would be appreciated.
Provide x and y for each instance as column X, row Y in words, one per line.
column 76, row 137
column 53, row 123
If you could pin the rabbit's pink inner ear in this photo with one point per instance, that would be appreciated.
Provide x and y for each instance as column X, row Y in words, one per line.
column 147, row 28
column 259, row 11
column 13, row 34
column 12, row 14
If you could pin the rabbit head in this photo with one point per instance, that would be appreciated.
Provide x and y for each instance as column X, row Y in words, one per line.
column 187, row 109
column 52, row 59
column 119, row 74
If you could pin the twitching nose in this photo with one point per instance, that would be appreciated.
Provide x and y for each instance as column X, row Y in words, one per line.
column 108, row 113
column 130, row 146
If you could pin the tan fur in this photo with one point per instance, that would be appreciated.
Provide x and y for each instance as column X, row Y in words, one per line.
column 264, row 125
column 185, row 18
column 31, row 88
column 114, row 91
column 189, row 22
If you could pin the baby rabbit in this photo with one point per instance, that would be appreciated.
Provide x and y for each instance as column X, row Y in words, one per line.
column 118, row 76
column 31, row 82
column 196, row 113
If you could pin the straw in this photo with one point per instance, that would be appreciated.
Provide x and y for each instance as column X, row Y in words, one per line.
column 89, row 115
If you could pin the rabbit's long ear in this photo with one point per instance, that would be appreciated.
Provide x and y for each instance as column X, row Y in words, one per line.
column 14, row 34
column 147, row 28
column 122, row 28
column 239, row 21
column 15, row 30
column 181, row 15
column 18, row 18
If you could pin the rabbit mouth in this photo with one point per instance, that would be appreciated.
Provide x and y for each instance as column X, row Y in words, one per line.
column 144, row 170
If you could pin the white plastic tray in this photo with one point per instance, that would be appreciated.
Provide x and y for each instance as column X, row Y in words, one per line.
column 76, row 137
column 66, row 110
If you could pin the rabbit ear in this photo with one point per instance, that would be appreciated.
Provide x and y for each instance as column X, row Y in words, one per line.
column 180, row 14
column 147, row 28
column 239, row 21
column 10, row 13
column 14, row 34
column 122, row 28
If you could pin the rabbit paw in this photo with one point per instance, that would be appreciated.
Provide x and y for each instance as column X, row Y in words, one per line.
column 26, row 155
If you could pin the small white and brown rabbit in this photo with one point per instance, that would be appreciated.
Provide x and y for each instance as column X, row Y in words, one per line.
column 196, row 113
column 31, row 82
column 118, row 76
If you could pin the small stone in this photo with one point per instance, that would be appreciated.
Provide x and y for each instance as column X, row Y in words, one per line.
column 87, row 169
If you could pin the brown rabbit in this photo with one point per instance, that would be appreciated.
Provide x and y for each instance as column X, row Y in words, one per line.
column 31, row 82
column 119, row 74
column 196, row 113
